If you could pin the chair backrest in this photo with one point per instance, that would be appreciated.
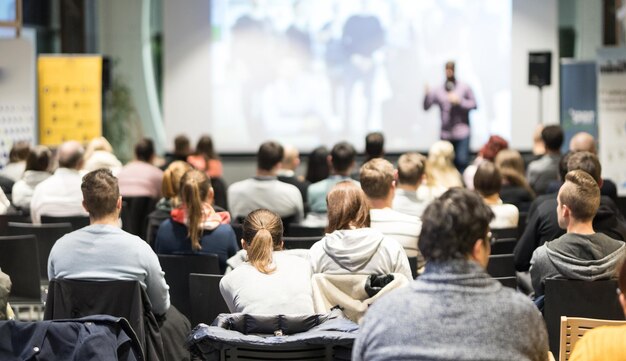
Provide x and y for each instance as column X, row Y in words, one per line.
column 19, row 258
column 77, row 222
column 510, row 282
column 46, row 234
column 300, row 242
column 135, row 211
column 503, row 246
column 238, row 229
column 413, row 265
column 298, row 230
column 12, row 217
column 206, row 299
column 570, row 298
column 574, row 328
column 177, row 269
column 505, row 233
column 501, row 265
column 279, row 352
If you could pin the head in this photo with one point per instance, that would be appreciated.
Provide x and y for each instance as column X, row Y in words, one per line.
column 71, row 155
column 587, row 162
column 262, row 234
column 494, row 145
column 621, row 281
column 552, row 136
column 348, row 207
column 195, row 191
column 101, row 195
column 377, row 180
column 98, row 144
column 291, row 158
column 19, row 152
column 269, row 156
column 450, row 70
column 538, row 147
column 578, row 199
column 487, row 179
column 374, row 145
column 144, row 150
column 205, row 147
column 583, row 141
column 411, row 168
column 171, row 180
column 510, row 159
column 317, row 165
column 456, row 226
column 441, row 155
column 182, row 146
column 39, row 159
column 342, row 158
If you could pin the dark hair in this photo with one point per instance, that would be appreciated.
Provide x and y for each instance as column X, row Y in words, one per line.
column 181, row 145
column 194, row 190
column 411, row 168
column 342, row 155
column 347, row 207
column 317, row 165
column 452, row 223
column 19, row 151
column 269, row 154
column 552, row 136
column 487, row 179
column 100, row 193
column 563, row 165
column 39, row 159
column 586, row 161
column 263, row 233
column 205, row 147
column 376, row 178
column 144, row 149
column 581, row 194
column 374, row 145
column 450, row 64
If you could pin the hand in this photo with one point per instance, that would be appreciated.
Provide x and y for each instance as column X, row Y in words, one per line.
column 453, row 98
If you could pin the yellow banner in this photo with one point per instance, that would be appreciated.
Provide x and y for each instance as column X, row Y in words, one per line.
column 70, row 98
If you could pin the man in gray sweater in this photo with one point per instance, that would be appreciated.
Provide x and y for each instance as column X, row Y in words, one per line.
column 454, row 310
column 581, row 253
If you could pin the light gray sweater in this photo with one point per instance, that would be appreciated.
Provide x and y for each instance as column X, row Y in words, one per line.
column 453, row 311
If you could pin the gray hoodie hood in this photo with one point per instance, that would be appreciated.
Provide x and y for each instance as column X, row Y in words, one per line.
column 352, row 249
column 585, row 257
column 34, row 177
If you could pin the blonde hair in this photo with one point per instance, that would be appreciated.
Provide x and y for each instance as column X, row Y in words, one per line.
column 194, row 190
column 100, row 143
column 263, row 233
column 440, row 169
column 171, row 180
column 348, row 207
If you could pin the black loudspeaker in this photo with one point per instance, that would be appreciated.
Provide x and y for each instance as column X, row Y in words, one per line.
column 539, row 68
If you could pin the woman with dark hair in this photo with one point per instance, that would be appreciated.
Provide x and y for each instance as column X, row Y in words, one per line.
column 515, row 188
column 268, row 271
column 205, row 158
column 350, row 245
column 487, row 182
column 37, row 170
column 317, row 165
column 194, row 226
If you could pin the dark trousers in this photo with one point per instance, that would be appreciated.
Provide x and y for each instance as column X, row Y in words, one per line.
column 462, row 153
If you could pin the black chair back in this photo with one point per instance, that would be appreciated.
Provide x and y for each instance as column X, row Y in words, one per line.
column 413, row 265
column 508, row 282
column 206, row 299
column 505, row 233
column 14, row 217
column 135, row 211
column 503, row 246
column 77, row 222
column 46, row 234
column 298, row 230
column 501, row 265
column 177, row 269
column 19, row 259
column 570, row 298
column 300, row 242
column 521, row 223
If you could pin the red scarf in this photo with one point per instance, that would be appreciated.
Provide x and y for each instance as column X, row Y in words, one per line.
column 210, row 218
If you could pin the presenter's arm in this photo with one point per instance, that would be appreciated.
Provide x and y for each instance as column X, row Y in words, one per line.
column 429, row 98
column 468, row 101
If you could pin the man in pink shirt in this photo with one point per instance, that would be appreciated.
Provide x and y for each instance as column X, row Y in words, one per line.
column 140, row 178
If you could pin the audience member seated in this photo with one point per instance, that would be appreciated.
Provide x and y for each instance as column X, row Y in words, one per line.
column 605, row 342
column 487, row 182
column 140, row 178
column 515, row 189
column 99, row 154
column 265, row 190
column 350, row 245
column 341, row 162
column 441, row 174
column 542, row 225
column 287, row 172
column 374, row 146
column 377, row 182
column 182, row 149
column 581, row 253
column 542, row 171
column 489, row 151
column 205, row 158
column 17, row 161
column 271, row 282
column 317, row 167
column 454, row 310
column 104, row 252
column 60, row 194
column 411, row 168
column 194, row 226
column 37, row 170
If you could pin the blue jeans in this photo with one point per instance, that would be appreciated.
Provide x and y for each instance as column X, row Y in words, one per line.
column 462, row 151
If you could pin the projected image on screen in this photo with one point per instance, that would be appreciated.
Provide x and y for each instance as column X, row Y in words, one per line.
column 311, row 72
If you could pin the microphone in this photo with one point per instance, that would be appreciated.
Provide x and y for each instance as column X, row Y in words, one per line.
column 450, row 85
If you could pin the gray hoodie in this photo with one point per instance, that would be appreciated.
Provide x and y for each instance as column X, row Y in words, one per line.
column 359, row 251
column 576, row 257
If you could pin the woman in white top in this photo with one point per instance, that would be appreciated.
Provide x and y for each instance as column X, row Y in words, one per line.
column 37, row 170
column 270, row 282
column 487, row 182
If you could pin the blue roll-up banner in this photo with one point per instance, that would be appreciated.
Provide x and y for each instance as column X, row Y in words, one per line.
column 578, row 99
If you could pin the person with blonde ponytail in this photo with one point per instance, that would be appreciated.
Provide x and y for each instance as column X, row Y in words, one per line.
column 194, row 226
column 271, row 282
